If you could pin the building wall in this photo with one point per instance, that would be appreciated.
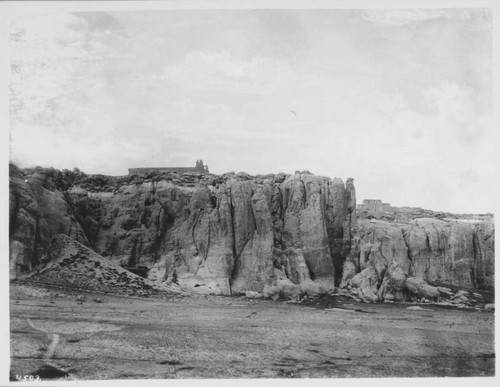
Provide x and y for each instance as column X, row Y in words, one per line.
column 376, row 206
column 373, row 204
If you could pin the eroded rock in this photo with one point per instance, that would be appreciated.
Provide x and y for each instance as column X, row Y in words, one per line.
column 211, row 234
column 403, row 258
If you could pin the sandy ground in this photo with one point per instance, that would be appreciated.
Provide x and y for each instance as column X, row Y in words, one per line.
column 224, row 337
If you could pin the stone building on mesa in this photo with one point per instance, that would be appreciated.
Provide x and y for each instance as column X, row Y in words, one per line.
column 375, row 205
column 199, row 168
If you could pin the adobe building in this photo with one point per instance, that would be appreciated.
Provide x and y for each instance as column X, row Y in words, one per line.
column 375, row 205
column 198, row 168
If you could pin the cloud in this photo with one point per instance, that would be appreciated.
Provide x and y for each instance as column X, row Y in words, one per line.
column 44, row 35
column 40, row 145
column 222, row 71
column 45, row 53
column 454, row 108
column 399, row 117
column 401, row 17
column 60, row 104
column 452, row 100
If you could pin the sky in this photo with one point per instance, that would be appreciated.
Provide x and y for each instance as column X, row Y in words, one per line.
column 401, row 100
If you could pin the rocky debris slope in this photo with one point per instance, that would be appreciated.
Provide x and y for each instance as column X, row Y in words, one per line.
column 449, row 297
column 74, row 266
column 277, row 234
column 400, row 259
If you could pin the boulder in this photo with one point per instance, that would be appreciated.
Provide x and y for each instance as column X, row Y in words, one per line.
column 419, row 287
column 253, row 295
column 366, row 283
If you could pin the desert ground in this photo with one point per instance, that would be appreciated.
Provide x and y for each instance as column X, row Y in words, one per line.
column 61, row 334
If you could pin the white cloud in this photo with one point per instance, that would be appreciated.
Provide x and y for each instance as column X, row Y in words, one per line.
column 43, row 36
column 400, row 17
column 454, row 106
column 366, row 105
column 43, row 54
column 60, row 111
column 452, row 100
column 221, row 71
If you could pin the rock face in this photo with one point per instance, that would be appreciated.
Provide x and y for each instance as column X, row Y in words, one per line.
column 280, row 235
column 396, row 260
column 38, row 210
column 211, row 234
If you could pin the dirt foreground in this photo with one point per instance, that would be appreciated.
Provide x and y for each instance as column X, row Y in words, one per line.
column 54, row 336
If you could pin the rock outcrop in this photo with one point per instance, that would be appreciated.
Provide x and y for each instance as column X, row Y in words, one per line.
column 398, row 260
column 279, row 235
column 38, row 210
column 211, row 234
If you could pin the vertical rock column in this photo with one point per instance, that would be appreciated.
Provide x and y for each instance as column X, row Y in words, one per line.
column 254, row 238
column 341, row 220
column 306, row 226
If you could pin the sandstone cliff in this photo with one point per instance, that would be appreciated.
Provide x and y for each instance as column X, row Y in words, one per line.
column 388, row 256
column 282, row 235
column 38, row 210
column 214, row 234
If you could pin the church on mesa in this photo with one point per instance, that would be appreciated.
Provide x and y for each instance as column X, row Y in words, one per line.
column 375, row 205
column 198, row 168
